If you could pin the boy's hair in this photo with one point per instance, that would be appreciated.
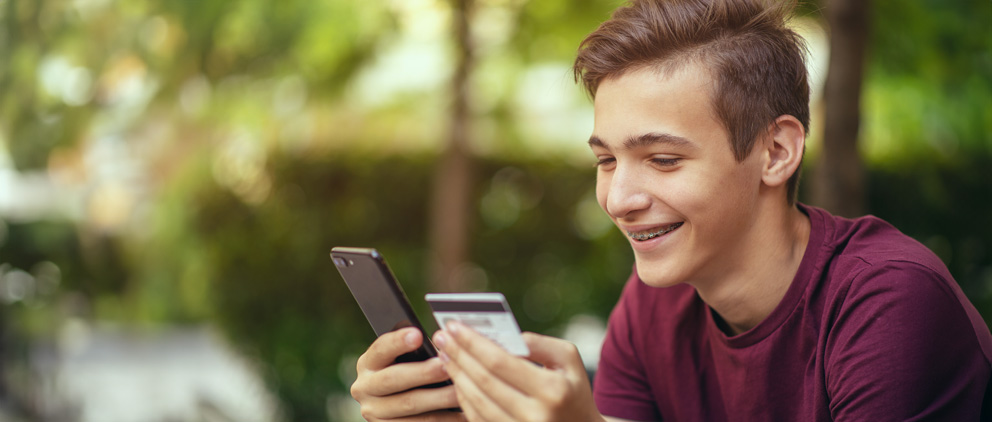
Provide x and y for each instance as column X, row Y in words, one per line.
column 757, row 62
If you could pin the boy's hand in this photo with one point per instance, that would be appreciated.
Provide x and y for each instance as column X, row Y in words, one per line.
column 388, row 392
column 493, row 385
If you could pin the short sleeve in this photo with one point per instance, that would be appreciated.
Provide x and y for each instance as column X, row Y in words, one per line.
column 621, row 387
column 902, row 347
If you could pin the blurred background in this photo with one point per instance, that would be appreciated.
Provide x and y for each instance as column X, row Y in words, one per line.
column 173, row 175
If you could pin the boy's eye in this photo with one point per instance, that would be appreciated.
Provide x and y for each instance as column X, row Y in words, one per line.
column 604, row 161
column 666, row 162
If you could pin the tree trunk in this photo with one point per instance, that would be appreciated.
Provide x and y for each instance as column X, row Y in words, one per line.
column 450, row 214
column 839, row 180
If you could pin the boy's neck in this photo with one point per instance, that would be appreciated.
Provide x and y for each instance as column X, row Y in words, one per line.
column 746, row 296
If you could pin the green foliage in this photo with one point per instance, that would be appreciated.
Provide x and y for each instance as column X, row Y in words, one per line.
column 928, row 81
column 552, row 30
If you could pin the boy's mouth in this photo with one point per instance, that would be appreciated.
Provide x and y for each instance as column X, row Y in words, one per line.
column 653, row 233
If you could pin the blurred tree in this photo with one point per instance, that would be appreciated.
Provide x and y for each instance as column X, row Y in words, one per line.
column 450, row 210
column 839, row 184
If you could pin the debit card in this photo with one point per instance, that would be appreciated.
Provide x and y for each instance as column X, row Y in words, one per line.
column 486, row 313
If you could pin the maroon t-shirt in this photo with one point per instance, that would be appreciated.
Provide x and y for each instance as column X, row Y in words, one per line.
column 872, row 328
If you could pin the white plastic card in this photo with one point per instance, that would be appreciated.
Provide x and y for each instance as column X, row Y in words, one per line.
column 486, row 313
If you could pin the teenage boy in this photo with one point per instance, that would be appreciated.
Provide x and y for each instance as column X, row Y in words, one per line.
column 743, row 305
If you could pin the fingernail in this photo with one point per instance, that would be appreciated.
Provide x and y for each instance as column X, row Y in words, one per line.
column 410, row 338
column 440, row 339
column 444, row 357
column 454, row 327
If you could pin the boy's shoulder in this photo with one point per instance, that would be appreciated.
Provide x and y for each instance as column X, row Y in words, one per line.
column 871, row 242
column 871, row 270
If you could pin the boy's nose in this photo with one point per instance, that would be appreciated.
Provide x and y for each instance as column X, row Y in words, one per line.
column 625, row 194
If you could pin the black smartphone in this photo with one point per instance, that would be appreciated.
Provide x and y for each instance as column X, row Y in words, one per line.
column 380, row 296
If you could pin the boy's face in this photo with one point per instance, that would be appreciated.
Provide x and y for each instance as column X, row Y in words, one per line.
column 667, row 178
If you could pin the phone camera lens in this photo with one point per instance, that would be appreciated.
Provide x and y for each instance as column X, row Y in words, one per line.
column 341, row 262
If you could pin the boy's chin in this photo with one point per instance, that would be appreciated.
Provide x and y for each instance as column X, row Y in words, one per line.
column 655, row 277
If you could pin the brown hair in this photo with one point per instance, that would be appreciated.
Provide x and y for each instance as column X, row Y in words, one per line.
column 757, row 62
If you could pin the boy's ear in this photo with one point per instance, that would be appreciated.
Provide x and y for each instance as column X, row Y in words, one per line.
column 783, row 150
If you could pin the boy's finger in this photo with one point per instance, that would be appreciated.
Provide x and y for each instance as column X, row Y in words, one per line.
column 385, row 349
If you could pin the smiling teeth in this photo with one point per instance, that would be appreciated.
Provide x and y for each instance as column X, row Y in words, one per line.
column 654, row 234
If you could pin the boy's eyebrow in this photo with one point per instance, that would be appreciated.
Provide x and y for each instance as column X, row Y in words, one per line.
column 645, row 140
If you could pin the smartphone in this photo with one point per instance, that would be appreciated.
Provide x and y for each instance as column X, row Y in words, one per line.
column 380, row 296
